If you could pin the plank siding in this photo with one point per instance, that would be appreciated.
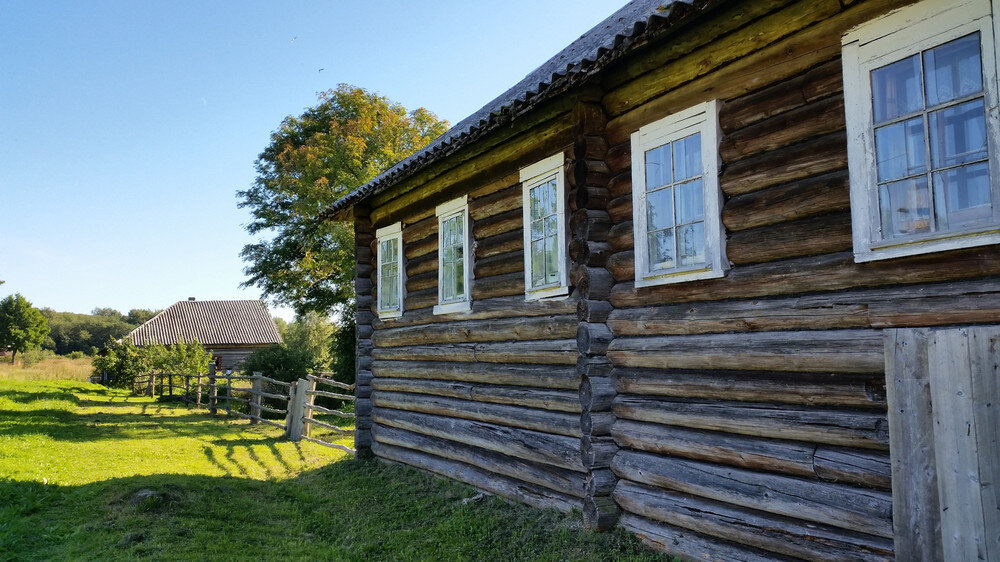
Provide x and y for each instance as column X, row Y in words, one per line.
column 743, row 417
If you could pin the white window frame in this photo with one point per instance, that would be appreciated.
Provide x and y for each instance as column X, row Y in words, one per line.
column 532, row 176
column 702, row 118
column 391, row 232
column 445, row 211
column 882, row 41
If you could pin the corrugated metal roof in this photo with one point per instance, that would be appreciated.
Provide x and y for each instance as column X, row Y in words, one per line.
column 239, row 322
column 604, row 43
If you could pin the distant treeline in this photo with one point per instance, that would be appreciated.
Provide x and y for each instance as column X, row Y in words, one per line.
column 88, row 333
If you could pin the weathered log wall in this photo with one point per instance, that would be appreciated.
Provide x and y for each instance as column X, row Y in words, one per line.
column 735, row 418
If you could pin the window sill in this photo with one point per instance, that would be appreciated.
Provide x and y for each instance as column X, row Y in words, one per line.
column 390, row 314
column 679, row 277
column 546, row 293
column 453, row 307
column 945, row 242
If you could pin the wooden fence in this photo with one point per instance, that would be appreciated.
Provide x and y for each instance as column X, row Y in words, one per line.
column 218, row 391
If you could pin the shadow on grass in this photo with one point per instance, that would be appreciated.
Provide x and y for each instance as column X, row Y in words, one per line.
column 348, row 510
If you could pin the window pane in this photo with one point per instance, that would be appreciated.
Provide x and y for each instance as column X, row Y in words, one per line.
column 691, row 243
column 687, row 157
column 962, row 196
column 958, row 134
column 690, row 202
column 551, row 225
column 447, row 281
column 551, row 261
column 538, row 263
column 896, row 89
column 390, row 293
column 659, row 209
column 953, row 70
column 535, row 201
column 661, row 249
column 536, row 230
column 658, row 167
column 905, row 207
column 459, row 279
column 900, row 149
column 552, row 198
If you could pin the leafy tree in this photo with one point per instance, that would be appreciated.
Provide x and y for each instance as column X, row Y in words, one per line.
column 342, row 349
column 312, row 160
column 279, row 362
column 311, row 332
column 187, row 358
column 70, row 332
column 22, row 326
column 139, row 316
column 123, row 362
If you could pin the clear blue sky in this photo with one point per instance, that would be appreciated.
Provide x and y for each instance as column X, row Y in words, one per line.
column 127, row 127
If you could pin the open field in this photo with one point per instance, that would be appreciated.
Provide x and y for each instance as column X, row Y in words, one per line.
column 92, row 473
column 53, row 368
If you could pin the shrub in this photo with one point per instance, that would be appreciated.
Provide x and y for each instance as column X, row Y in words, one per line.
column 123, row 362
column 279, row 362
column 36, row 355
column 342, row 349
column 76, row 355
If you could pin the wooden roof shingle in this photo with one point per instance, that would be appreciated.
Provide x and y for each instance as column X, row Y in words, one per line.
column 231, row 322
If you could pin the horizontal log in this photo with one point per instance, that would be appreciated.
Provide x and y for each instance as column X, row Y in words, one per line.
column 621, row 265
column 334, row 395
column 590, row 147
column 838, row 505
column 620, row 208
column 535, row 446
column 496, row 203
column 512, row 374
column 420, row 248
column 419, row 230
column 820, row 81
column 500, row 307
column 808, row 197
column 596, row 393
column 590, row 224
column 684, row 544
column 833, row 464
column 558, row 423
column 423, row 281
column 499, row 244
column 544, row 399
column 339, row 431
column 846, row 428
column 594, row 254
column 619, row 158
column 559, row 479
column 423, row 264
column 424, row 298
column 506, row 285
column 499, row 329
column 620, row 237
column 741, row 525
column 812, row 157
column 960, row 302
column 821, row 117
column 831, row 272
column 535, row 496
column 814, row 389
column 548, row 352
column 849, row 351
column 496, row 185
column 821, row 234
column 330, row 412
column 620, row 184
column 498, row 224
column 592, row 310
column 590, row 196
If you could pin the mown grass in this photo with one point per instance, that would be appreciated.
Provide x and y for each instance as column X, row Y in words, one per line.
column 52, row 368
column 92, row 473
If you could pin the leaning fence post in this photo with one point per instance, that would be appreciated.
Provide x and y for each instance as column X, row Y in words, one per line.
column 308, row 401
column 150, row 385
column 255, row 398
column 290, row 416
column 296, row 407
column 213, row 391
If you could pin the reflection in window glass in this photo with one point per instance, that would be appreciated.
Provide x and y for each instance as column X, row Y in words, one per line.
column 452, row 259
column 544, row 229
column 931, row 150
column 389, row 279
column 675, row 210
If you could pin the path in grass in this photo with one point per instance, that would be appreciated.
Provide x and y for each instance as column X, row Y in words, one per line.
column 92, row 473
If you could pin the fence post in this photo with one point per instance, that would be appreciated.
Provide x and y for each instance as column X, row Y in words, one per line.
column 170, row 385
column 213, row 391
column 229, row 392
column 150, row 384
column 255, row 398
column 296, row 405
column 187, row 388
column 197, row 399
column 308, row 400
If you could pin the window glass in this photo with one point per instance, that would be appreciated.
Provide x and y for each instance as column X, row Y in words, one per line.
column 452, row 259
column 544, row 233
column 675, row 210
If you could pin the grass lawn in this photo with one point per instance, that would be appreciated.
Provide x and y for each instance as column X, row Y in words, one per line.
column 92, row 473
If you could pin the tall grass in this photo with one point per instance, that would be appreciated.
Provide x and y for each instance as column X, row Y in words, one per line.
column 53, row 368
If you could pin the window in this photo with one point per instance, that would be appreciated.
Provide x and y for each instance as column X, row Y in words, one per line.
column 454, row 272
column 390, row 271
column 922, row 146
column 545, row 271
column 676, row 199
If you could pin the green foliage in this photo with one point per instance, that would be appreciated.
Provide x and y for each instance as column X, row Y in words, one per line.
column 311, row 332
column 22, row 326
column 342, row 348
column 35, row 356
column 188, row 358
column 139, row 316
column 76, row 355
column 279, row 362
column 314, row 159
column 69, row 332
column 122, row 361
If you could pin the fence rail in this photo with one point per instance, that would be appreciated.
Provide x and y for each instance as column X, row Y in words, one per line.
column 216, row 391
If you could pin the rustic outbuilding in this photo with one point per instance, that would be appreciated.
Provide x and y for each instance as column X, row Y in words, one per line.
column 723, row 273
column 230, row 329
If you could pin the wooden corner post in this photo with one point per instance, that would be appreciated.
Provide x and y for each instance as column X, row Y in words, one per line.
column 296, row 410
column 364, row 287
column 255, row 397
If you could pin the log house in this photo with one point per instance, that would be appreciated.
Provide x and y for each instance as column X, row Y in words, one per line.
column 654, row 281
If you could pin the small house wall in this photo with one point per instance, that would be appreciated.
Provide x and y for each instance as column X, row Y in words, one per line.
column 741, row 417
